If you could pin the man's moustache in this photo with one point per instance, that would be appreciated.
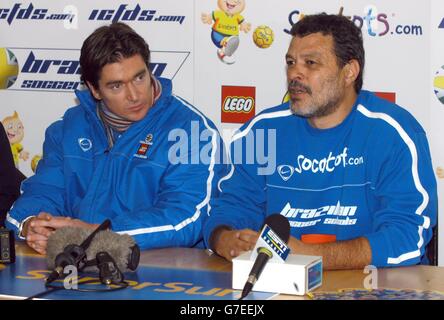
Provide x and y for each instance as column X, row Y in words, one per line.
column 297, row 86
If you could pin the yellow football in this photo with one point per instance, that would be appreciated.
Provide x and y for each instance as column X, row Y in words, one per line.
column 263, row 36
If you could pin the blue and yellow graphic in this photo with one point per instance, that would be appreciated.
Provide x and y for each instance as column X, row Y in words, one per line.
column 27, row 277
column 438, row 84
column 8, row 68
column 227, row 23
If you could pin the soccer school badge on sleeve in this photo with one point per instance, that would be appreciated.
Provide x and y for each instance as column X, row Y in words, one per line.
column 144, row 147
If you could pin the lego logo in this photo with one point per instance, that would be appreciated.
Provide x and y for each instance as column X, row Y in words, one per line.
column 238, row 104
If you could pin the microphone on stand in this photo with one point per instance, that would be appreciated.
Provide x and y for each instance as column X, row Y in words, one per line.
column 272, row 243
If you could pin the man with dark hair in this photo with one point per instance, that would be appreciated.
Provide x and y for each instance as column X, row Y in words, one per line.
column 111, row 156
column 10, row 177
column 354, row 175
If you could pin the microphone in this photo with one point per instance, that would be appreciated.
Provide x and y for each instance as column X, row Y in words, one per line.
column 120, row 250
column 108, row 271
column 74, row 254
column 272, row 243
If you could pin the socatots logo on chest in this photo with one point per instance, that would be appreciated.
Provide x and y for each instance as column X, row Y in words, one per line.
column 322, row 166
column 144, row 146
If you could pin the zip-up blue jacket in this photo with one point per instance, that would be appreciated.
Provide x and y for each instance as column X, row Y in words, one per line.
column 371, row 176
column 161, row 202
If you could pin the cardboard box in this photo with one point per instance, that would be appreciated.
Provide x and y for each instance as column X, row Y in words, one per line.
column 298, row 275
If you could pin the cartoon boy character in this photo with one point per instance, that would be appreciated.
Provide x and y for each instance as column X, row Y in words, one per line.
column 15, row 132
column 227, row 24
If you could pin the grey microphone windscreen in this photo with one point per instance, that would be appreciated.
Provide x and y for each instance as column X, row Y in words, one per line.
column 60, row 239
column 118, row 246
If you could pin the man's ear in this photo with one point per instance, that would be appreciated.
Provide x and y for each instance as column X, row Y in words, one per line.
column 95, row 92
column 352, row 70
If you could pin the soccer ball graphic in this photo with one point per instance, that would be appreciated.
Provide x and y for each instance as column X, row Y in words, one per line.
column 263, row 36
column 438, row 83
column 8, row 68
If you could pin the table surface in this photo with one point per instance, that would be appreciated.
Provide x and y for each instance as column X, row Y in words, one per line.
column 415, row 277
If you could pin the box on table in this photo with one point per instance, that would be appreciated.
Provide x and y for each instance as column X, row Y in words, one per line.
column 299, row 274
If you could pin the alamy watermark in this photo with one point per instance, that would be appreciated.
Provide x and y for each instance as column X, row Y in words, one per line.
column 70, row 282
column 371, row 281
column 204, row 146
column 259, row 147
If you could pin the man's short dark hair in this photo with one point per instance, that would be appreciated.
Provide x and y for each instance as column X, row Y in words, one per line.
column 347, row 38
column 110, row 44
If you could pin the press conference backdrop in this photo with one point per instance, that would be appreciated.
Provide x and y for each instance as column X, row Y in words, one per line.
column 40, row 42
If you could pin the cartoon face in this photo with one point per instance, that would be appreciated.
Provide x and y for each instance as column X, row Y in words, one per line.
column 14, row 128
column 231, row 6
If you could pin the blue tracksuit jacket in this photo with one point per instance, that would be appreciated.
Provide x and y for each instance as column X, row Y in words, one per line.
column 371, row 176
column 160, row 202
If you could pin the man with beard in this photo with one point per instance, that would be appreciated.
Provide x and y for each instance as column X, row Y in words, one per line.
column 353, row 172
